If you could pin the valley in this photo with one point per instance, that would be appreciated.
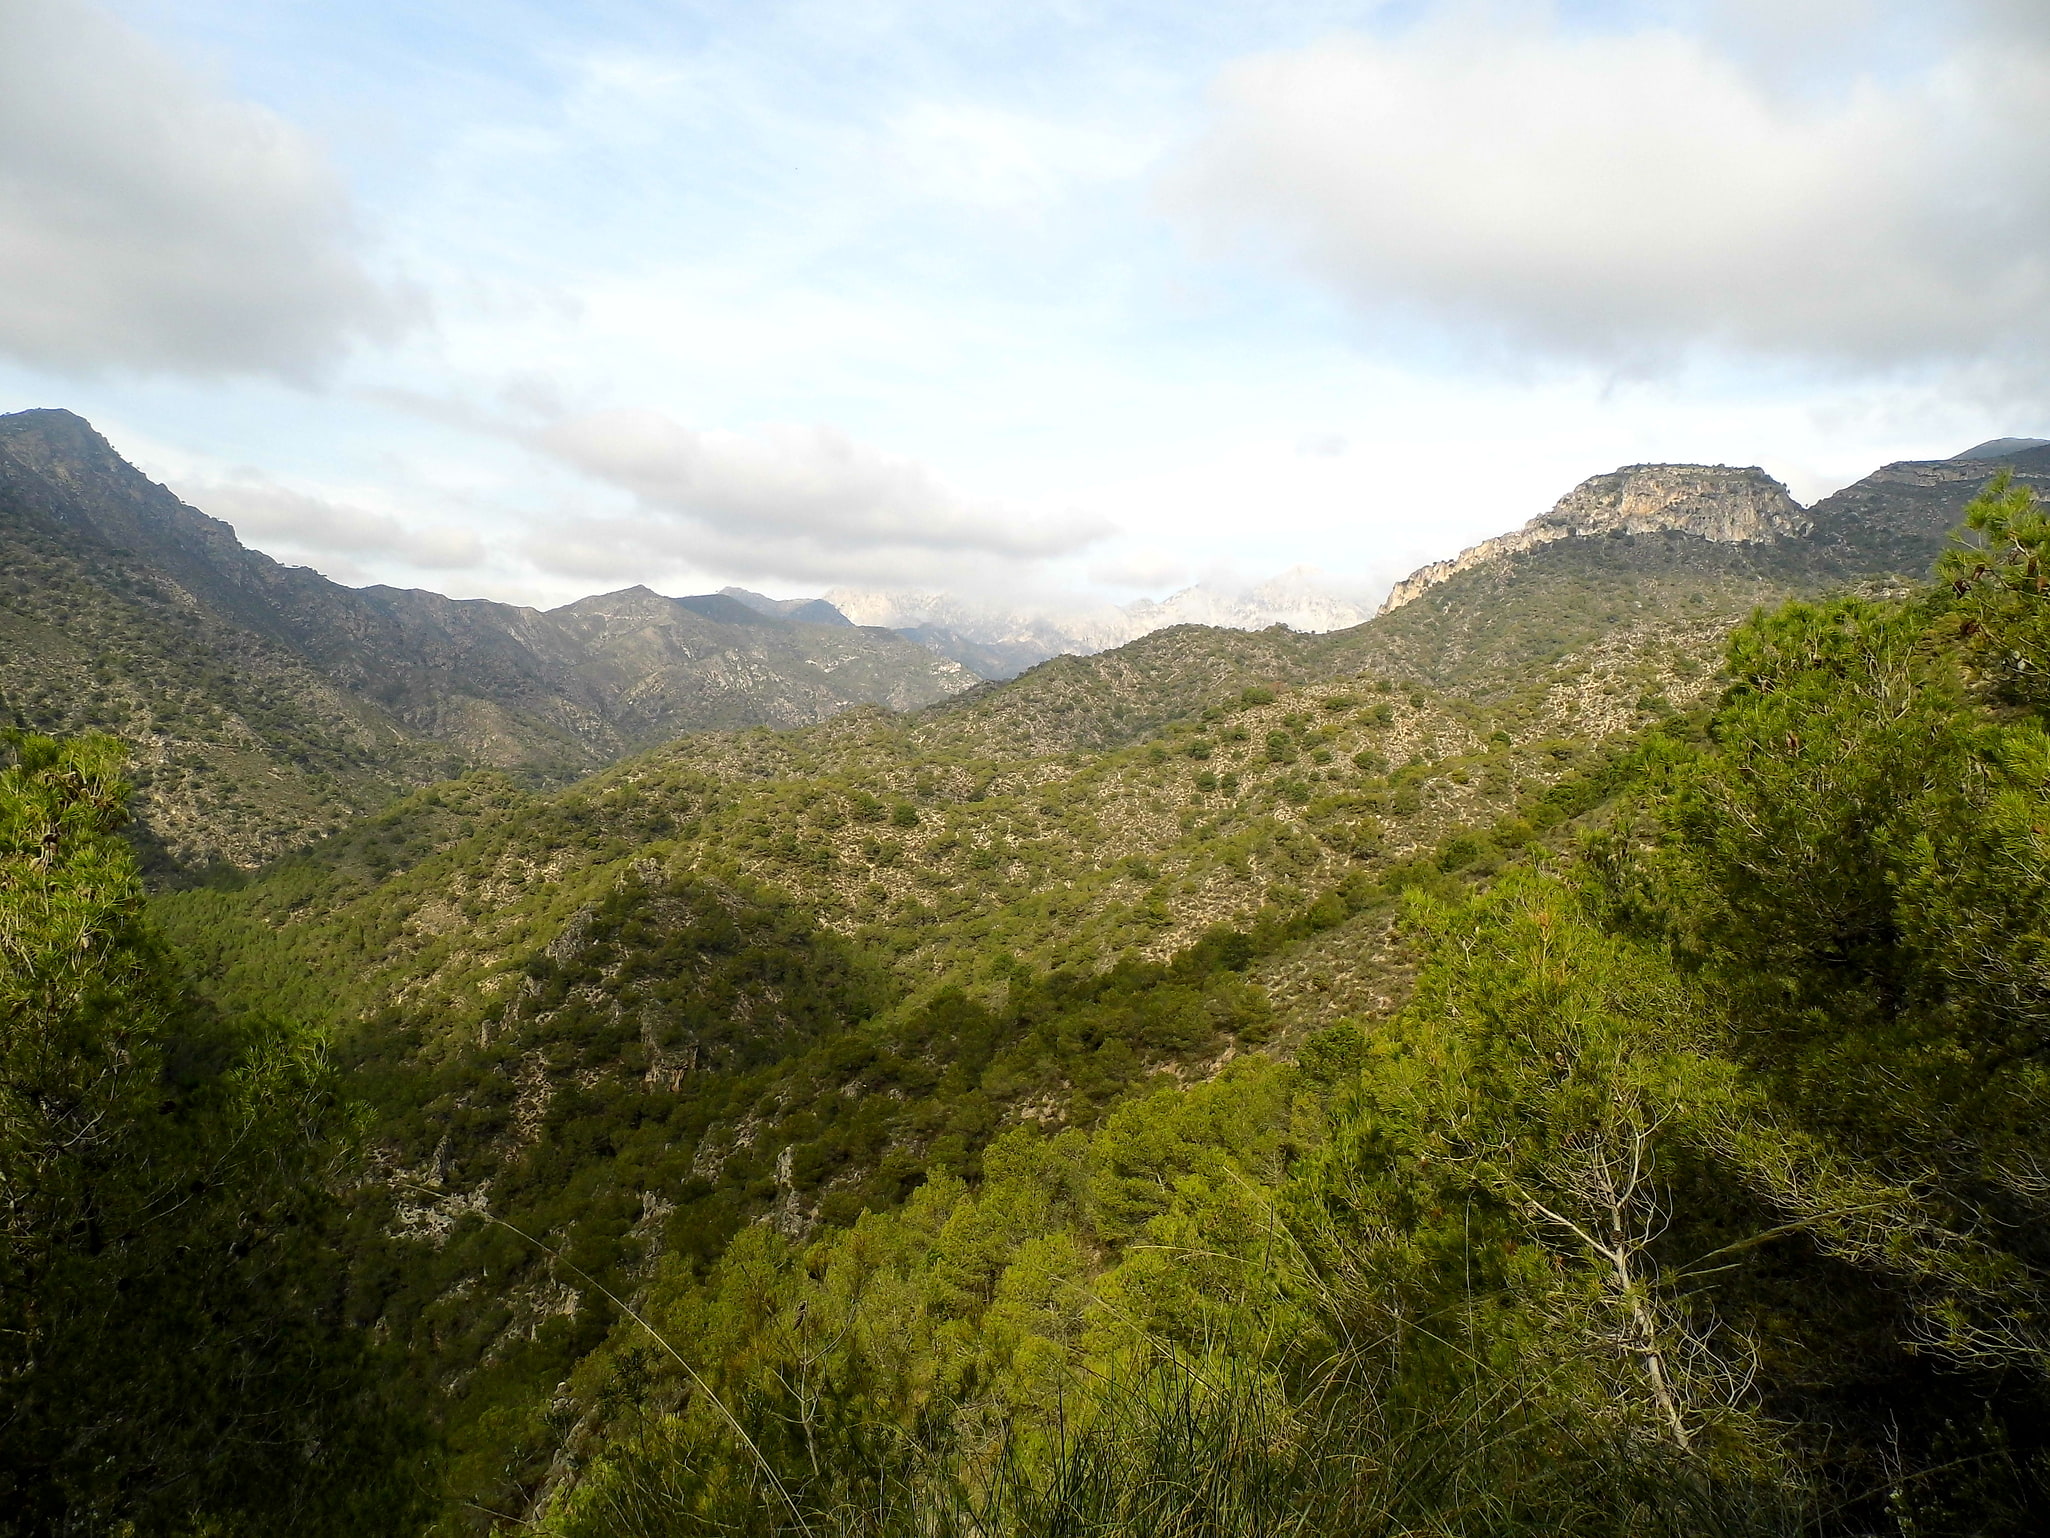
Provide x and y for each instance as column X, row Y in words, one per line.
column 802, row 1088
column 268, row 704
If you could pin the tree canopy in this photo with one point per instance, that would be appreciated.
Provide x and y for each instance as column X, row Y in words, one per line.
column 170, row 1357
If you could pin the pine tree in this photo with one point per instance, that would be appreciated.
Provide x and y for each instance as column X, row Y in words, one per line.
column 170, row 1355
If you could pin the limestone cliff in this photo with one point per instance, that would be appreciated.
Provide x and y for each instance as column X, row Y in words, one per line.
column 1713, row 502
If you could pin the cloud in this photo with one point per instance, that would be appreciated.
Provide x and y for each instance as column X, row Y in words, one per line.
column 270, row 516
column 797, row 503
column 1632, row 195
column 148, row 223
column 1148, row 570
column 2020, row 18
column 999, row 161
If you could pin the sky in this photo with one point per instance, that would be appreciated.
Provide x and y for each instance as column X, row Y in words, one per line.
column 1034, row 302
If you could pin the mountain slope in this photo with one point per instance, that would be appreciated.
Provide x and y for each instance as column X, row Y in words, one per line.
column 1709, row 502
column 759, row 982
column 1624, row 609
column 241, row 746
column 268, row 703
column 1492, row 621
column 776, row 978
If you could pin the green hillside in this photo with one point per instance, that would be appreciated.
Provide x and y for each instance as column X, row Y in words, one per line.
column 1691, row 1189
column 267, row 705
column 1534, row 1062
column 783, row 977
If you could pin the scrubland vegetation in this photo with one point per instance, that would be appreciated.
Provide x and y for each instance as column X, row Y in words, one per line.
column 872, row 1131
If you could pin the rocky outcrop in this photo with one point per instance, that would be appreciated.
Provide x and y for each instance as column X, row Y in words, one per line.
column 1712, row 502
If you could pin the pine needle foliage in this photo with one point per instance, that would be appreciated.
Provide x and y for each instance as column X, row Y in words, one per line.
column 1698, row 1188
column 170, row 1360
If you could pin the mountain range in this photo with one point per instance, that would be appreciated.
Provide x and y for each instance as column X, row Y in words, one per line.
column 639, row 999
column 999, row 641
column 268, row 705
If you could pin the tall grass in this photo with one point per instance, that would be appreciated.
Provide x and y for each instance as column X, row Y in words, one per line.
column 1177, row 1452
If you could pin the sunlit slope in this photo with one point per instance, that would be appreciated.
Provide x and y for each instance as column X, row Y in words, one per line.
column 783, row 977
column 267, row 705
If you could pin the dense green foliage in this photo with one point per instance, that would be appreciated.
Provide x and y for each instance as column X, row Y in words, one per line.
column 1696, row 1189
column 650, row 1050
column 1319, row 1107
column 169, row 1346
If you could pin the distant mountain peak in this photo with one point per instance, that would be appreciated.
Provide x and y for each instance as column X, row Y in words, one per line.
column 2000, row 448
column 801, row 611
column 1000, row 640
column 761, row 603
column 1720, row 503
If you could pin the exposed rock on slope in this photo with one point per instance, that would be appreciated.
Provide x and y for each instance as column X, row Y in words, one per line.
column 1667, row 559
column 267, row 702
column 1711, row 502
column 1898, row 517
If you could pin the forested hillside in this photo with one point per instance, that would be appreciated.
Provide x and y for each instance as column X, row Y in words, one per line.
column 266, row 705
column 1693, row 1189
column 172, row 1347
column 1537, row 1062
column 782, row 977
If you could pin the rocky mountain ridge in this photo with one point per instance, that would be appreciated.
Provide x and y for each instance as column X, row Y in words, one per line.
column 266, row 704
column 1894, row 520
column 1711, row 502
column 291, row 701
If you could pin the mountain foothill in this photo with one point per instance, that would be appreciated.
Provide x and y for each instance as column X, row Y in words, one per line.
column 1564, row 1054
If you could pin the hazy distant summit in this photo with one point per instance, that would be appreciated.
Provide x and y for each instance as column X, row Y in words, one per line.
column 801, row 611
column 1000, row 641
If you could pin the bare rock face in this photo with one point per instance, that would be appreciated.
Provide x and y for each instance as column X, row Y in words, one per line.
column 1713, row 502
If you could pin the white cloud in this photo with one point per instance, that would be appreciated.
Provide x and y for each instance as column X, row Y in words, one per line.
column 797, row 503
column 1145, row 570
column 149, row 223
column 988, row 158
column 1626, row 196
column 2021, row 18
column 271, row 516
